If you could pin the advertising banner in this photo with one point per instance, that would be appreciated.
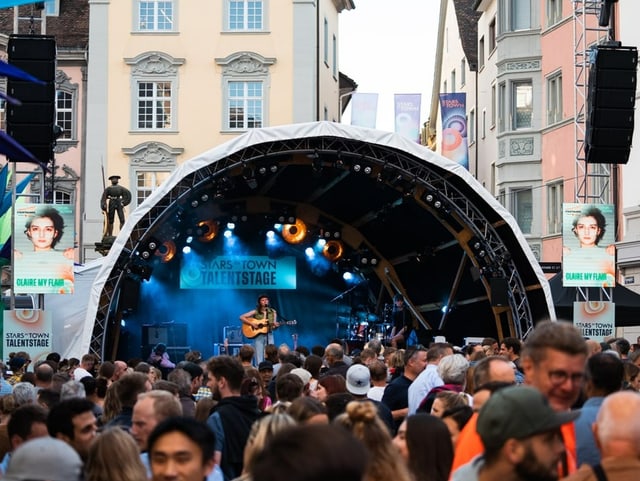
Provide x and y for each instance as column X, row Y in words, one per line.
column 239, row 272
column 595, row 319
column 588, row 253
column 364, row 110
column 43, row 249
column 454, row 128
column 407, row 114
column 29, row 331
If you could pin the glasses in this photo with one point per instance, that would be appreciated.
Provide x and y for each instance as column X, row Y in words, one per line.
column 560, row 377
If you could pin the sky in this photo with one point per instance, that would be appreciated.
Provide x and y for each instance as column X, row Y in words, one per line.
column 388, row 47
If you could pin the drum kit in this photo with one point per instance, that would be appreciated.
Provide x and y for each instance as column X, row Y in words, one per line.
column 364, row 326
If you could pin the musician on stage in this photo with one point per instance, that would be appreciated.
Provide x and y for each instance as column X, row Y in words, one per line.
column 263, row 319
column 402, row 323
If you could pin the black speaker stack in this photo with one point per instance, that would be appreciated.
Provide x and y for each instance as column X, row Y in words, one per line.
column 32, row 123
column 611, row 99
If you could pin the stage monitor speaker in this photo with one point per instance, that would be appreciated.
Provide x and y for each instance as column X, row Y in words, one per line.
column 129, row 295
column 170, row 334
column 233, row 334
column 611, row 101
column 499, row 291
column 228, row 350
column 32, row 122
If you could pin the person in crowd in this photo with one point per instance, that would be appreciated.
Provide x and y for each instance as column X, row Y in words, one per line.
column 245, row 354
column 423, row 442
column 183, row 449
column 183, row 379
column 358, row 385
column 233, row 416
column 120, row 370
column 159, row 357
column 378, row 372
column 396, row 394
column 362, row 420
column 490, row 346
column 603, row 376
column 456, row 419
column 27, row 422
column 17, row 366
column 453, row 371
column 334, row 359
column 510, row 348
column 125, row 394
column 24, row 393
column 150, row 409
column 429, row 378
column 521, row 436
column 327, row 385
column 252, row 386
column 617, row 431
column 313, row 364
column 446, row 400
column 265, row 368
column 329, row 452
column 262, row 318
column 45, row 459
column 113, row 457
column 288, row 388
column 260, row 436
column 44, row 375
column 631, row 377
column 73, row 422
column 308, row 410
column 85, row 368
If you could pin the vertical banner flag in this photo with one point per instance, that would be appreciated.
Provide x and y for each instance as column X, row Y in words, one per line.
column 364, row 110
column 29, row 331
column 43, row 249
column 588, row 252
column 407, row 112
column 454, row 128
column 595, row 319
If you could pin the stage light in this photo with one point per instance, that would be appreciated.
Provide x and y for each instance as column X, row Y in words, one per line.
column 294, row 233
column 204, row 197
column 166, row 251
column 270, row 234
column 357, row 167
column 230, row 226
column 207, row 230
column 186, row 250
column 189, row 239
column 194, row 203
column 286, row 219
column 348, row 276
column 333, row 250
column 228, row 234
column 310, row 253
column 273, row 168
column 321, row 243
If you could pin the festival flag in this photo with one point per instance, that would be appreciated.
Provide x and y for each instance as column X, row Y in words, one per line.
column 454, row 128
column 15, row 3
column 407, row 115
column 364, row 109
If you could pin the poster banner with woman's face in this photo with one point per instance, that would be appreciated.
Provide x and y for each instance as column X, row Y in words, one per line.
column 43, row 249
column 588, row 254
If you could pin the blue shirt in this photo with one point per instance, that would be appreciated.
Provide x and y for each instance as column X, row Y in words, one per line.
column 586, row 448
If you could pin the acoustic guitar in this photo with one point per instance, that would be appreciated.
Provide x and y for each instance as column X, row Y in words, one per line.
column 263, row 328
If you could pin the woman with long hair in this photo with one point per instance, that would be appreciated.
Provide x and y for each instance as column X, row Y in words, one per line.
column 362, row 420
column 114, row 456
column 425, row 443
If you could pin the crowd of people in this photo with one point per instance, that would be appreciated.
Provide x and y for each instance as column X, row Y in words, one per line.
column 555, row 406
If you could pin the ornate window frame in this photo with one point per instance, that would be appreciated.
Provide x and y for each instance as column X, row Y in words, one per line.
column 64, row 84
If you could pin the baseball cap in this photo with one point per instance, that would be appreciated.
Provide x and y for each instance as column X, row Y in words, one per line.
column 43, row 459
column 265, row 366
column 518, row 412
column 302, row 374
column 358, row 379
column 16, row 363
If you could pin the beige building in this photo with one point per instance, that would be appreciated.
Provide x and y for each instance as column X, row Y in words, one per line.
column 169, row 80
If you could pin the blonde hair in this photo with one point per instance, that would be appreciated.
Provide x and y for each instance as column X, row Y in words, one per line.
column 361, row 418
column 262, row 432
column 114, row 456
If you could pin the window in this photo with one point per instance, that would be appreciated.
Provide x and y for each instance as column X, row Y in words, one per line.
column 493, row 106
column 471, row 128
column 453, row 80
column 64, row 113
column 334, row 64
column 554, row 99
column 3, row 114
column 484, row 123
column 245, row 80
column 155, row 16
column 60, row 197
column 554, row 12
column 502, row 107
column 326, row 42
column 463, row 72
column 522, row 98
column 514, row 15
column 52, row 8
column 154, row 105
column 152, row 164
column 492, row 35
column 555, row 197
column 245, row 15
column 147, row 182
column 481, row 53
column 522, row 208
column 154, row 91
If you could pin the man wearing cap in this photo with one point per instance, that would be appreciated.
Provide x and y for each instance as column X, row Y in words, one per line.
column 521, row 436
column 44, row 459
column 118, row 198
column 266, row 372
column 358, row 384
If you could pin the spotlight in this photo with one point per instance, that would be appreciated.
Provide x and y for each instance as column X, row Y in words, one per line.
column 333, row 250
column 204, row 197
column 294, row 233
column 207, row 230
column 348, row 276
column 286, row 219
column 166, row 251
column 262, row 170
column 189, row 239
column 194, row 203
column 273, row 168
column 310, row 253
column 230, row 226
column 367, row 170
column 186, row 250
column 227, row 234
column 357, row 167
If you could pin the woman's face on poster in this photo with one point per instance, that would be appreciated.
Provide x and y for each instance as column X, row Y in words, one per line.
column 42, row 233
column 587, row 231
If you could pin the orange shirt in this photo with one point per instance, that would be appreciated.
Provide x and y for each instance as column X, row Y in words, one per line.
column 470, row 445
